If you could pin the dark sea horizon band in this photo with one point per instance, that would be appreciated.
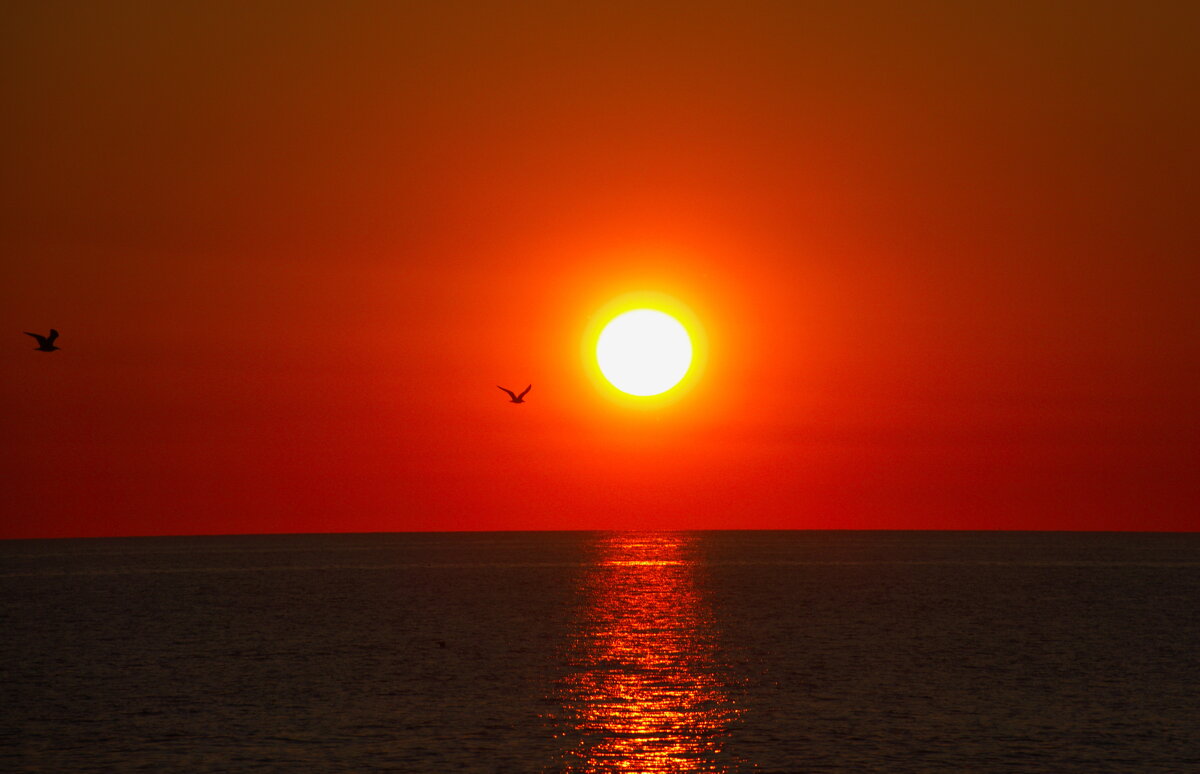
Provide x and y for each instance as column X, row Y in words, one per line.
column 592, row 651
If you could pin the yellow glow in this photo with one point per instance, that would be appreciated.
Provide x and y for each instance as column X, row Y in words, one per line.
column 644, row 349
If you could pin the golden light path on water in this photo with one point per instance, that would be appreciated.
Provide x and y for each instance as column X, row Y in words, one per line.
column 648, row 691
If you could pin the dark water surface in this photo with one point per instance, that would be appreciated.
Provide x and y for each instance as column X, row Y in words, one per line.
column 603, row 652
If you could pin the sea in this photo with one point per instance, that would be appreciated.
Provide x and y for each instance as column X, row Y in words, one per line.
column 737, row 651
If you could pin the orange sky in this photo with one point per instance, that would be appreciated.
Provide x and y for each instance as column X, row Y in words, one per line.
column 945, row 254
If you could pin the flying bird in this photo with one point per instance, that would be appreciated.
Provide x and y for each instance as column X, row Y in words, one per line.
column 517, row 398
column 45, row 343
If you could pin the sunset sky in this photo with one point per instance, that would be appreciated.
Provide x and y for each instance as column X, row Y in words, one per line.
column 946, row 257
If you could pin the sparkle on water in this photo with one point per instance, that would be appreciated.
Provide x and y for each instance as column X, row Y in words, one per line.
column 648, row 690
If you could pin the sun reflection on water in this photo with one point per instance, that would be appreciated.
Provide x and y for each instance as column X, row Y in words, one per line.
column 647, row 692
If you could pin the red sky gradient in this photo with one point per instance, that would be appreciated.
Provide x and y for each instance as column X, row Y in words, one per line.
column 946, row 256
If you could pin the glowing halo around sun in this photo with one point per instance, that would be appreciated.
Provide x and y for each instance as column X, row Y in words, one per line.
column 644, row 352
column 644, row 349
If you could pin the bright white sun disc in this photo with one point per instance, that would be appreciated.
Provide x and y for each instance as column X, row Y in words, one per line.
column 644, row 352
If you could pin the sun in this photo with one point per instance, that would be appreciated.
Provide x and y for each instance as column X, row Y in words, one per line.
column 644, row 352
column 644, row 349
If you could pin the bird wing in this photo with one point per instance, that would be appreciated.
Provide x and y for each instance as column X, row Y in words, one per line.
column 41, row 339
column 53, row 336
column 510, row 392
column 527, row 389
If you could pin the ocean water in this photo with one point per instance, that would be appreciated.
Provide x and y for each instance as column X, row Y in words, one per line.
column 603, row 652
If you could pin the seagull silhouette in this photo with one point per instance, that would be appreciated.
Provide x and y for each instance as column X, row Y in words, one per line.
column 45, row 343
column 517, row 398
